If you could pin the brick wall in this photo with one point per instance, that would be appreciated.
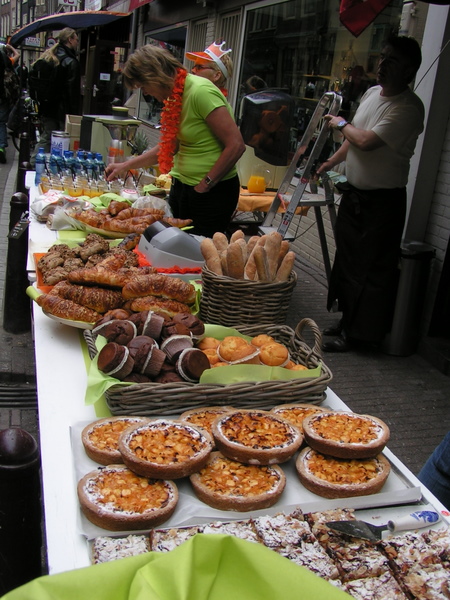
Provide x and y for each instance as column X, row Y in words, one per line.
column 438, row 228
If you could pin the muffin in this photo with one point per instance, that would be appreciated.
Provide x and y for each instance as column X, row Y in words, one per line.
column 148, row 323
column 134, row 377
column 191, row 363
column 115, row 360
column 262, row 339
column 207, row 343
column 234, row 349
column 174, row 346
column 193, row 323
column 116, row 330
column 211, row 355
column 138, row 342
column 168, row 377
column 149, row 359
column 273, row 354
column 172, row 328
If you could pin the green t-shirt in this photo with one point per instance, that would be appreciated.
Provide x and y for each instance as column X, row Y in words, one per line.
column 199, row 148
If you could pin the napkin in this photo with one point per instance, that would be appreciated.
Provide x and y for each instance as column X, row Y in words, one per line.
column 206, row 567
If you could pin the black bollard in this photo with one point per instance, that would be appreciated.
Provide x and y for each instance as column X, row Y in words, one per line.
column 17, row 310
column 20, row 509
column 24, row 157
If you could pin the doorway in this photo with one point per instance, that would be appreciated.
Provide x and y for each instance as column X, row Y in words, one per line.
column 103, row 87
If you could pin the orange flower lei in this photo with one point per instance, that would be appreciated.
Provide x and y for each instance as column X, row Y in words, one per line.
column 170, row 122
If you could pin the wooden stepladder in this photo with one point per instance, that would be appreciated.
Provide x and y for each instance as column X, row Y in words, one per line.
column 290, row 192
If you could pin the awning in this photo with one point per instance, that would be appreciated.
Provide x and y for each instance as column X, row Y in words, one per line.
column 76, row 20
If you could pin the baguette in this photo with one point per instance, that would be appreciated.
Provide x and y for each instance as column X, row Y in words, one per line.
column 220, row 241
column 252, row 243
column 286, row 267
column 284, row 249
column 211, row 256
column 237, row 235
column 243, row 246
column 250, row 271
column 235, row 261
column 262, row 264
column 272, row 246
column 223, row 262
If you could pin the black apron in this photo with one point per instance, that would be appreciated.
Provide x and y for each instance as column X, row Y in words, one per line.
column 365, row 272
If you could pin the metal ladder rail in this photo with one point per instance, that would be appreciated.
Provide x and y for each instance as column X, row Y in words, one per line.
column 334, row 101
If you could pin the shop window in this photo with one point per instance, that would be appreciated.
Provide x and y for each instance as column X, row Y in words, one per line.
column 301, row 48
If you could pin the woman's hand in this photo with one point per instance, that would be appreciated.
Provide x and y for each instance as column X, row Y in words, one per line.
column 116, row 170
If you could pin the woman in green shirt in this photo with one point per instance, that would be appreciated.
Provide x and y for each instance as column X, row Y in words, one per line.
column 200, row 142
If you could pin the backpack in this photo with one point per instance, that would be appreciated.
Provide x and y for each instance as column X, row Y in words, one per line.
column 11, row 82
column 43, row 82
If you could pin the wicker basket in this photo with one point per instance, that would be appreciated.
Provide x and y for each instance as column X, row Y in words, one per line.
column 226, row 301
column 156, row 399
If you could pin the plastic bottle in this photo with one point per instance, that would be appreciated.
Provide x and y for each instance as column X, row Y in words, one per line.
column 59, row 161
column 100, row 166
column 90, row 166
column 40, row 166
column 81, row 155
column 53, row 164
column 77, row 165
column 68, row 160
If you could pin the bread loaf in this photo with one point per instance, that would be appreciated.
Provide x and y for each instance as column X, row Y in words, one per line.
column 211, row 256
column 262, row 264
column 284, row 249
column 286, row 267
column 272, row 247
column 160, row 285
column 251, row 243
column 237, row 235
column 250, row 271
column 220, row 241
column 235, row 261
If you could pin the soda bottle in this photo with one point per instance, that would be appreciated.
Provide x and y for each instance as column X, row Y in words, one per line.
column 40, row 166
column 77, row 164
column 59, row 161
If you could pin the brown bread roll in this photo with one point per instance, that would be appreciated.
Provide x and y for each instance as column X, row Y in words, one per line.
column 211, row 256
column 235, row 261
column 220, row 241
column 286, row 267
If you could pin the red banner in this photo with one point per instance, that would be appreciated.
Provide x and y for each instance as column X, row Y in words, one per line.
column 137, row 3
column 356, row 15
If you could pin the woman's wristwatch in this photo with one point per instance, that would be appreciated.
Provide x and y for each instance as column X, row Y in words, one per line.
column 208, row 180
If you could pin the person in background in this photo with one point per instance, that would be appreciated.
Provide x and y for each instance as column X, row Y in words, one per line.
column 214, row 64
column 200, row 142
column 435, row 474
column 9, row 92
column 61, row 95
column 377, row 149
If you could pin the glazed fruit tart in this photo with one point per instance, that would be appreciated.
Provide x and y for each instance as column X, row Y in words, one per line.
column 115, row 498
column 341, row 478
column 230, row 485
column 346, row 434
column 165, row 449
column 256, row 437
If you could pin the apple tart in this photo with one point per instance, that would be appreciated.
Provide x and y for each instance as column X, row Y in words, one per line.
column 297, row 413
column 256, row 437
column 101, row 438
column 115, row 498
column 165, row 449
column 230, row 485
column 341, row 478
column 346, row 434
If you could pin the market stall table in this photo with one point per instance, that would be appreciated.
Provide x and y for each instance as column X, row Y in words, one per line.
column 61, row 369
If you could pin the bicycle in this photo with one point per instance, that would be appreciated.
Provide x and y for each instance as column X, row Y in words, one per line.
column 25, row 113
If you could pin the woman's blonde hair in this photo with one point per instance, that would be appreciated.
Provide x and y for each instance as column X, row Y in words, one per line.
column 50, row 54
column 150, row 65
column 228, row 64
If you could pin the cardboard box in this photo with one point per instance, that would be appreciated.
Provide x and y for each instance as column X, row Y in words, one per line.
column 73, row 128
